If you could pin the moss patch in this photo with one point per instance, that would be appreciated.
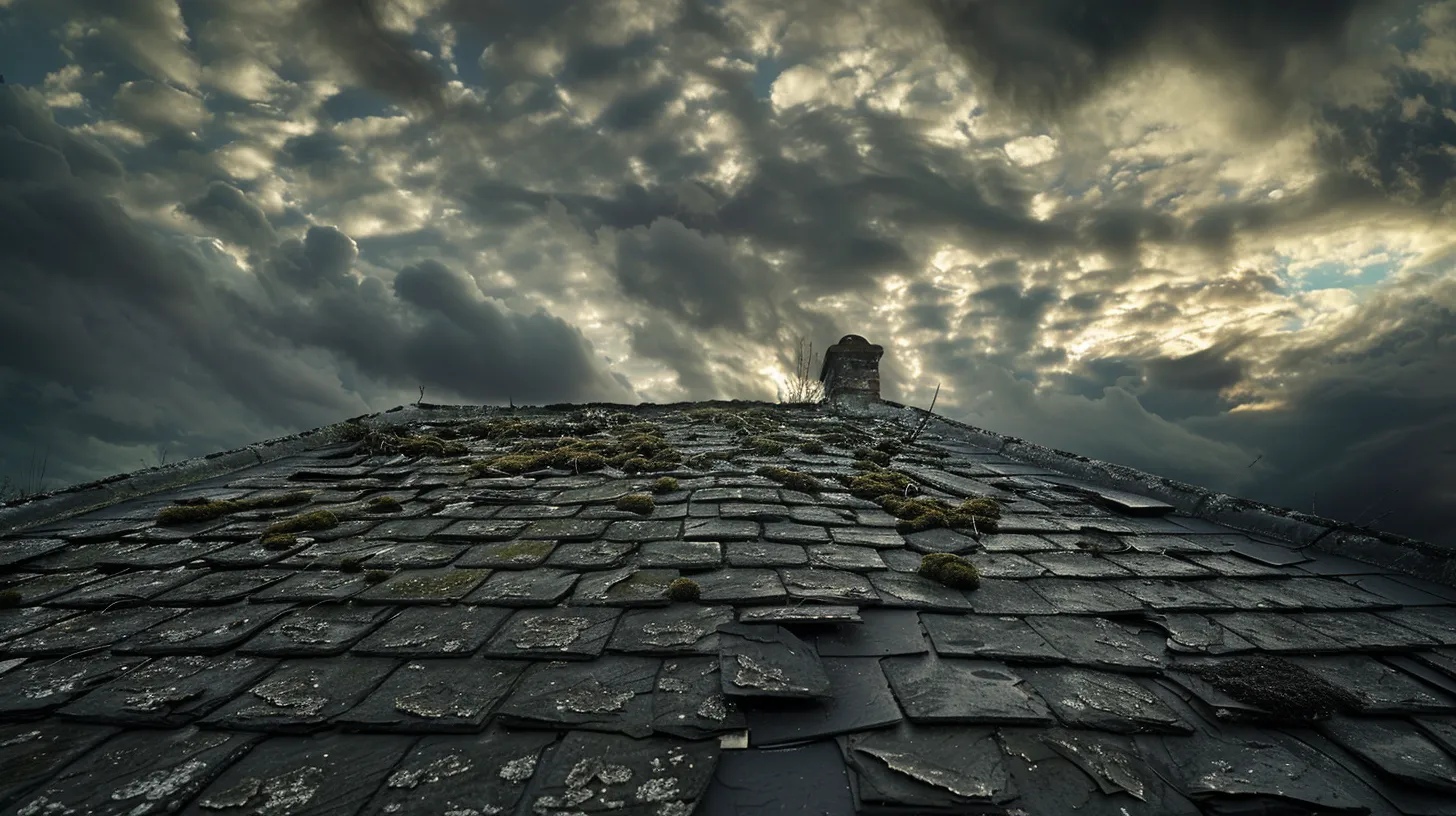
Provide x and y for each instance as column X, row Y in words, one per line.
column 384, row 504
column 351, row 565
column 278, row 542
column 639, row 503
column 763, row 446
column 792, row 479
column 317, row 520
column 812, row 446
column 877, row 457
column 877, row 483
column 523, row 550
column 376, row 576
column 666, row 484
column 1288, row 691
column 380, row 441
column 9, row 599
column 635, row 451
column 514, row 428
column 684, row 589
column 193, row 512
column 950, row 570
column 927, row 514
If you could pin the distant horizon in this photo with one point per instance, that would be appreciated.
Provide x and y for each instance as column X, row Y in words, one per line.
column 1208, row 241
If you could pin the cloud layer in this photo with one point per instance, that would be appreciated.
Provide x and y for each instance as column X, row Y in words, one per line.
column 1206, row 239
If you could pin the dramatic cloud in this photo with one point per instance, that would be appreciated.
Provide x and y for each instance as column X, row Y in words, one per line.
column 1209, row 239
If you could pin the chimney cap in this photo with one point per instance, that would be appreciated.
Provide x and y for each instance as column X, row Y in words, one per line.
column 852, row 366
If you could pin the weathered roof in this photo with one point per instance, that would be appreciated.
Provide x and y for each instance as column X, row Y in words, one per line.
column 502, row 642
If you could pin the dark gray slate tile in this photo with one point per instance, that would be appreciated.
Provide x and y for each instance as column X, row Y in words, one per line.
column 435, row 696
column 680, row 554
column 1099, row 643
column 1363, row 630
column 532, row 512
column 793, row 533
column 168, row 692
column 139, row 772
column 905, row 589
column 322, row 629
column 1153, row 565
column 221, row 587
column 31, row 752
column 204, row 631
column 436, row 586
column 613, row 693
column 489, row 770
column 161, row 555
column 772, row 782
column 736, row 494
column 314, row 586
column 543, row 586
column 428, row 632
column 1084, row 597
column 514, row 555
column 828, row 586
column 1078, row 565
column 689, row 702
column 997, row 596
column 561, row 633
column 1105, row 702
column 18, row 621
column 878, row 537
column 941, row 540
column 127, row 589
column 875, row 517
column 764, row 554
column 1383, row 688
column 929, row 769
column 1279, row 774
column 853, row 559
column 15, row 551
column 1397, row 750
column 1234, row 565
column 40, row 686
column 88, row 630
column 762, row 660
column 416, row 555
column 826, row 516
column 301, row 696
column 993, row 637
column 753, row 511
column 326, row 775
column 1007, row 565
column 1395, row 591
column 1197, row 634
column 330, row 555
column 1016, row 543
column 628, row 586
column 565, row 529
column 805, row 615
column 36, row 589
column 591, row 555
column 680, row 629
column 82, row 556
column 897, row 560
column 473, row 530
column 715, row 529
column 883, row 632
column 951, row 690
column 1167, row 595
column 1438, row 623
column 860, row 699
column 597, row 773
column 252, row 554
column 1276, row 632
column 633, row 530
column 1275, row 555
column 741, row 586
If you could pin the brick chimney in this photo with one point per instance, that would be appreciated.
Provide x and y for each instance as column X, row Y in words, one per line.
column 851, row 373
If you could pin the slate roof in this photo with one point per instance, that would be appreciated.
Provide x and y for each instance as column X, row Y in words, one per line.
column 502, row 643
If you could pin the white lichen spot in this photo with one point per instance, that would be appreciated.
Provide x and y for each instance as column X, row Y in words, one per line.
column 42, row 806
column 438, row 700
column 591, row 697
column 285, row 793
column 658, row 790
column 442, row 768
column 679, row 633
column 752, row 674
column 160, row 784
column 714, row 708
column 518, row 770
column 550, row 633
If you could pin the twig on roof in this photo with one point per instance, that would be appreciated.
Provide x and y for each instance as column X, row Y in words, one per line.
column 929, row 412
column 1256, row 460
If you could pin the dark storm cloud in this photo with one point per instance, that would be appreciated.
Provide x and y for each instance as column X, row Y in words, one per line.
column 381, row 59
column 1405, row 148
column 1046, row 55
column 657, row 339
column 226, row 211
column 681, row 271
column 1211, row 369
column 1016, row 312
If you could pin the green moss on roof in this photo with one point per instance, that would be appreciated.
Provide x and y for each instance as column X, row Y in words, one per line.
column 376, row 576
column 384, row 504
column 877, row 457
column 317, row 520
column 351, row 565
column 684, row 590
column 950, row 570
column 278, row 542
column 792, row 479
column 764, row 446
column 978, row 515
column 195, row 511
column 666, row 484
column 812, row 446
column 9, row 598
column 1288, row 691
column 879, row 482
column 639, row 503
column 633, row 451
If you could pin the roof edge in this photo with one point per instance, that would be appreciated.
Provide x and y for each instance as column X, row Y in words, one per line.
column 1408, row 555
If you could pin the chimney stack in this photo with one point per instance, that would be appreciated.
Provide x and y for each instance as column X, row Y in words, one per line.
column 851, row 373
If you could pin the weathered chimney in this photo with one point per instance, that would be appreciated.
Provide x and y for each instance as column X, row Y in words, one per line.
column 851, row 371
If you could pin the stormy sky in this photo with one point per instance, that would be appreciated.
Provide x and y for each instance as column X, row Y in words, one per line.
column 1209, row 239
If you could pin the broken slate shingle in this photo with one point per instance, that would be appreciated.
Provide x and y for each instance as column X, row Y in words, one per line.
column 169, row 691
column 1100, row 643
column 680, row 554
column 860, row 700
column 689, row 701
column 1083, row 698
column 741, row 586
column 948, row 769
column 543, row 586
column 761, row 660
column 560, row 633
column 991, row 637
column 613, row 693
column 882, row 632
column 952, row 690
column 624, row 587
column 435, row 696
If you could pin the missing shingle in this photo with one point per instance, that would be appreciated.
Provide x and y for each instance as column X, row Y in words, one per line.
column 1287, row 691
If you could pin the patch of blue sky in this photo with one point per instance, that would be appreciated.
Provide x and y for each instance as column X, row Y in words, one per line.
column 1331, row 275
column 30, row 52
column 765, row 72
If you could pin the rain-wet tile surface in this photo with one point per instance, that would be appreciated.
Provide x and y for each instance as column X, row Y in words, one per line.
column 516, row 643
